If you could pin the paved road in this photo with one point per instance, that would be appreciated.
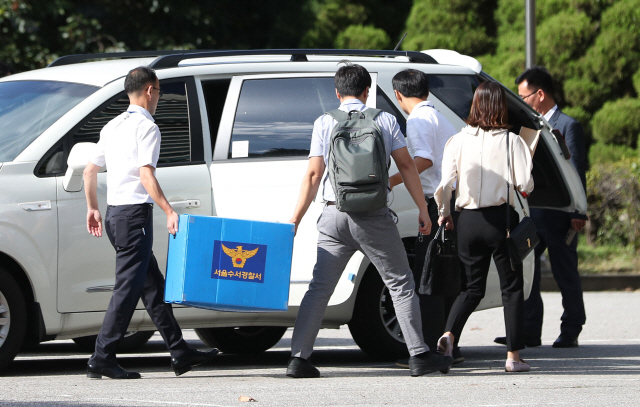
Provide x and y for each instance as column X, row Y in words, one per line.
column 603, row 371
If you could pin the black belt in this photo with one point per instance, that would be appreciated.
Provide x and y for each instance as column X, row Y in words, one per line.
column 148, row 204
column 330, row 203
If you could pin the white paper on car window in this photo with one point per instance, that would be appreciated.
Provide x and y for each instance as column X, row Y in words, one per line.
column 240, row 149
column 530, row 137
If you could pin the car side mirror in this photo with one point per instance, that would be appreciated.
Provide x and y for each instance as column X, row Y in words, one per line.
column 77, row 161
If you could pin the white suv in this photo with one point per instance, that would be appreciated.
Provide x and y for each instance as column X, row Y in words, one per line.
column 236, row 129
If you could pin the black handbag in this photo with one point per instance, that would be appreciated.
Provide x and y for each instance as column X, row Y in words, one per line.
column 524, row 237
column 441, row 270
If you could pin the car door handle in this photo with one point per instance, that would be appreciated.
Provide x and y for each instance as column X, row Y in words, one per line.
column 36, row 206
column 188, row 204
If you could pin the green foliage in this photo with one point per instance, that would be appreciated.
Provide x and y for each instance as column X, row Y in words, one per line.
column 465, row 26
column 562, row 38
column 334, row 17
column 606, row 258
column 601, row 153
column 583, row 92
column 504, row 68
column 331, row 17
column 35, row 32
column 363, row 37
column 618, row 122
column 612, row 193
column 612, row 59
column 579, row 114
column 636, row 82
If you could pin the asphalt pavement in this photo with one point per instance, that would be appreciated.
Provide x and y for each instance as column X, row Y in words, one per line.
column 603, row 371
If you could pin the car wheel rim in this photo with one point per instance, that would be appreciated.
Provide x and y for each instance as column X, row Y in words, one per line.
column 388, row 316
column 5, row 319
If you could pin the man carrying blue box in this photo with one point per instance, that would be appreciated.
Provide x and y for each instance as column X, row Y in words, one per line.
column 355, row 143
column 130, row 146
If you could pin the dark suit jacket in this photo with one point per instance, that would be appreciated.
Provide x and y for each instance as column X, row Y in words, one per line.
column 573, row 134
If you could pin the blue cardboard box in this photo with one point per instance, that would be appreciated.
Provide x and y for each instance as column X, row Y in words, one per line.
column 229, row 264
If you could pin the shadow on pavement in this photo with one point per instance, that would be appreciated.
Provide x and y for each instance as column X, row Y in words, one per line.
column 64, row 358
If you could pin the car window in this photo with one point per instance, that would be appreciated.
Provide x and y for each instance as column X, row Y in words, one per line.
column 215, row 96
column 28, row 108
column 274, row 117
column 172, row 117
column 384, row 103
column 455, row 91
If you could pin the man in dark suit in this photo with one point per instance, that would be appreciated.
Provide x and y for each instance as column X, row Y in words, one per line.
column 556, row 229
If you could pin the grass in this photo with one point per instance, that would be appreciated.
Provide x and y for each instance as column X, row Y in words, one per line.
column 605, row 259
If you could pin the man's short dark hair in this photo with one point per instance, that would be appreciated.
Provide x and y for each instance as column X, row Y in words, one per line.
column 537, row 77
column 138, row 79
column 352, row 80
column 411, row 83
column 5, row 70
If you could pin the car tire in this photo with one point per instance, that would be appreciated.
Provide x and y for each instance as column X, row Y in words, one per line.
column 131, row 342
column 374, row 326
column 13, row 318
column 241, row 340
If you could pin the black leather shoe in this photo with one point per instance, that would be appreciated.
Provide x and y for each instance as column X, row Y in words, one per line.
column 184, row 363
column 301, row 368
column 429, row 362
column 566, row 341
column 94, row 372
column 529, row 342
column 457, row 358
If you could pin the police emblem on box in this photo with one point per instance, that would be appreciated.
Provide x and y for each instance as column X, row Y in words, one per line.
column 239, row 261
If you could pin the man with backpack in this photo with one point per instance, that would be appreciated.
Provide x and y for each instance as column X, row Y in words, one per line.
column 427, row 133
column 355, row 144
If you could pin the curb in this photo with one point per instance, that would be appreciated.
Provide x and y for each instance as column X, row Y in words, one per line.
column 605, row 282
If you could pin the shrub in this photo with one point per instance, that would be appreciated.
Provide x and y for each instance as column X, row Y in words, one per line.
column 504, row 69
column 636, row 82
column 618, row 122
column 562, row 38
column 462, row 25
column 362, row 37
column 579, row 114
column 601, row 153
column 583, row 92
column 614, row 56
column 612, row 193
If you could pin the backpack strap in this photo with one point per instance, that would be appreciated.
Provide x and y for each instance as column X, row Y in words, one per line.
column 371, row 113
column 338, row 115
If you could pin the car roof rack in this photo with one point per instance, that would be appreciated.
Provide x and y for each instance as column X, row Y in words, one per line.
column 78, row 58
column 172, row 58
column 297, row 55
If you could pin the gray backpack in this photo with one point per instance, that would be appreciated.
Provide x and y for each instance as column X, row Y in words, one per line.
column 357, row 164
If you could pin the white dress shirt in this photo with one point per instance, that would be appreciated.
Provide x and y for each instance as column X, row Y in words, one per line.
column 547, row 116
column 427, row 133
column 128, row 142
column 321, row 137
column 477, row 161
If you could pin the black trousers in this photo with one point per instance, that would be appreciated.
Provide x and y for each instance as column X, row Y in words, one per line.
column 483, row 235
column 433, row 309
column 552, row 227
column 130, row 231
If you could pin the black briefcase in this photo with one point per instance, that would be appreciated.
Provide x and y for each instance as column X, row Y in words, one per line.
column 441, row 270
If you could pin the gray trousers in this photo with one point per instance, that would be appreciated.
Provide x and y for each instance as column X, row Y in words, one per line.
column 376, row 235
